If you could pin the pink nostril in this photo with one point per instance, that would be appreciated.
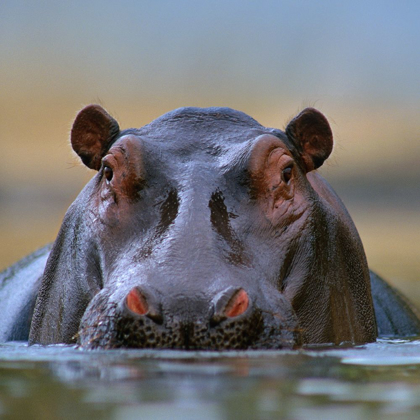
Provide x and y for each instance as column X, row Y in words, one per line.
column 237, row 304
column 136, row 302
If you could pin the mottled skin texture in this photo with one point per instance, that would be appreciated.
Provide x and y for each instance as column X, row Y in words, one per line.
column 204, row 230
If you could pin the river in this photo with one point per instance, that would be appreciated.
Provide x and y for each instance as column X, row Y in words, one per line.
column 374, row 381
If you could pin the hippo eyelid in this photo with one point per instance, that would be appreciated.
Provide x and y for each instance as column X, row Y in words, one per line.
column 284, row 163
column 279, row 155
column 287, row 173
column 108, row 173
column 108, row 161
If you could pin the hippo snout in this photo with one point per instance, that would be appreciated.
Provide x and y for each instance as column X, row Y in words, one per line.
column 142, row 320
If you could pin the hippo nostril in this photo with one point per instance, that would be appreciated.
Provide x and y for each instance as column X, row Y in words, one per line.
column 230, row 303
column 136, row 302
column 144, row 303
column 237, row 304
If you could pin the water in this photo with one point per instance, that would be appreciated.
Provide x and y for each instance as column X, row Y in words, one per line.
column 375, row 381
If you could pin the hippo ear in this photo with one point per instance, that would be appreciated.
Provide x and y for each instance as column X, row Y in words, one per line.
column 312, row 135
column 92, row 134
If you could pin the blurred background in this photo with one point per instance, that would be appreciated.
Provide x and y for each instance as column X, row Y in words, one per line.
column 358, row 62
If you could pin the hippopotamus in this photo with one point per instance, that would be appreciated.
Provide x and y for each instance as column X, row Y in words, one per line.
column 202, row 230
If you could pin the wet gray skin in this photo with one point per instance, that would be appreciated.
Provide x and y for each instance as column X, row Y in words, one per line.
column 204, row 230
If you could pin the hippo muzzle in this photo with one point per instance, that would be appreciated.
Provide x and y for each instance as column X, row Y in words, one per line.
column 204, row 230
column 176, row 309
column 229, row 322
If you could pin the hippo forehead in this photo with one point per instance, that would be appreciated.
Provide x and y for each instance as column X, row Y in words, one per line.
column 202, row 133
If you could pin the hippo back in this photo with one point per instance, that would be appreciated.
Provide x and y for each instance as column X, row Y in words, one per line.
column 19, row 285
column 396, row 316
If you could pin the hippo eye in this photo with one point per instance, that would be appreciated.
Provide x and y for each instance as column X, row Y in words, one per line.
column 287, row 174
column 108, row 173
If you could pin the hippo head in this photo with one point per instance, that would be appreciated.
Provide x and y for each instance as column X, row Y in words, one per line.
column 204, row 230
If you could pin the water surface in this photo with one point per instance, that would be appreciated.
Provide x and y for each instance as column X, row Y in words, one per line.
column 375, row 381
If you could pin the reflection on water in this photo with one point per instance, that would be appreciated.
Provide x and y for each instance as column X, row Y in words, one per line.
column 376, row 381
